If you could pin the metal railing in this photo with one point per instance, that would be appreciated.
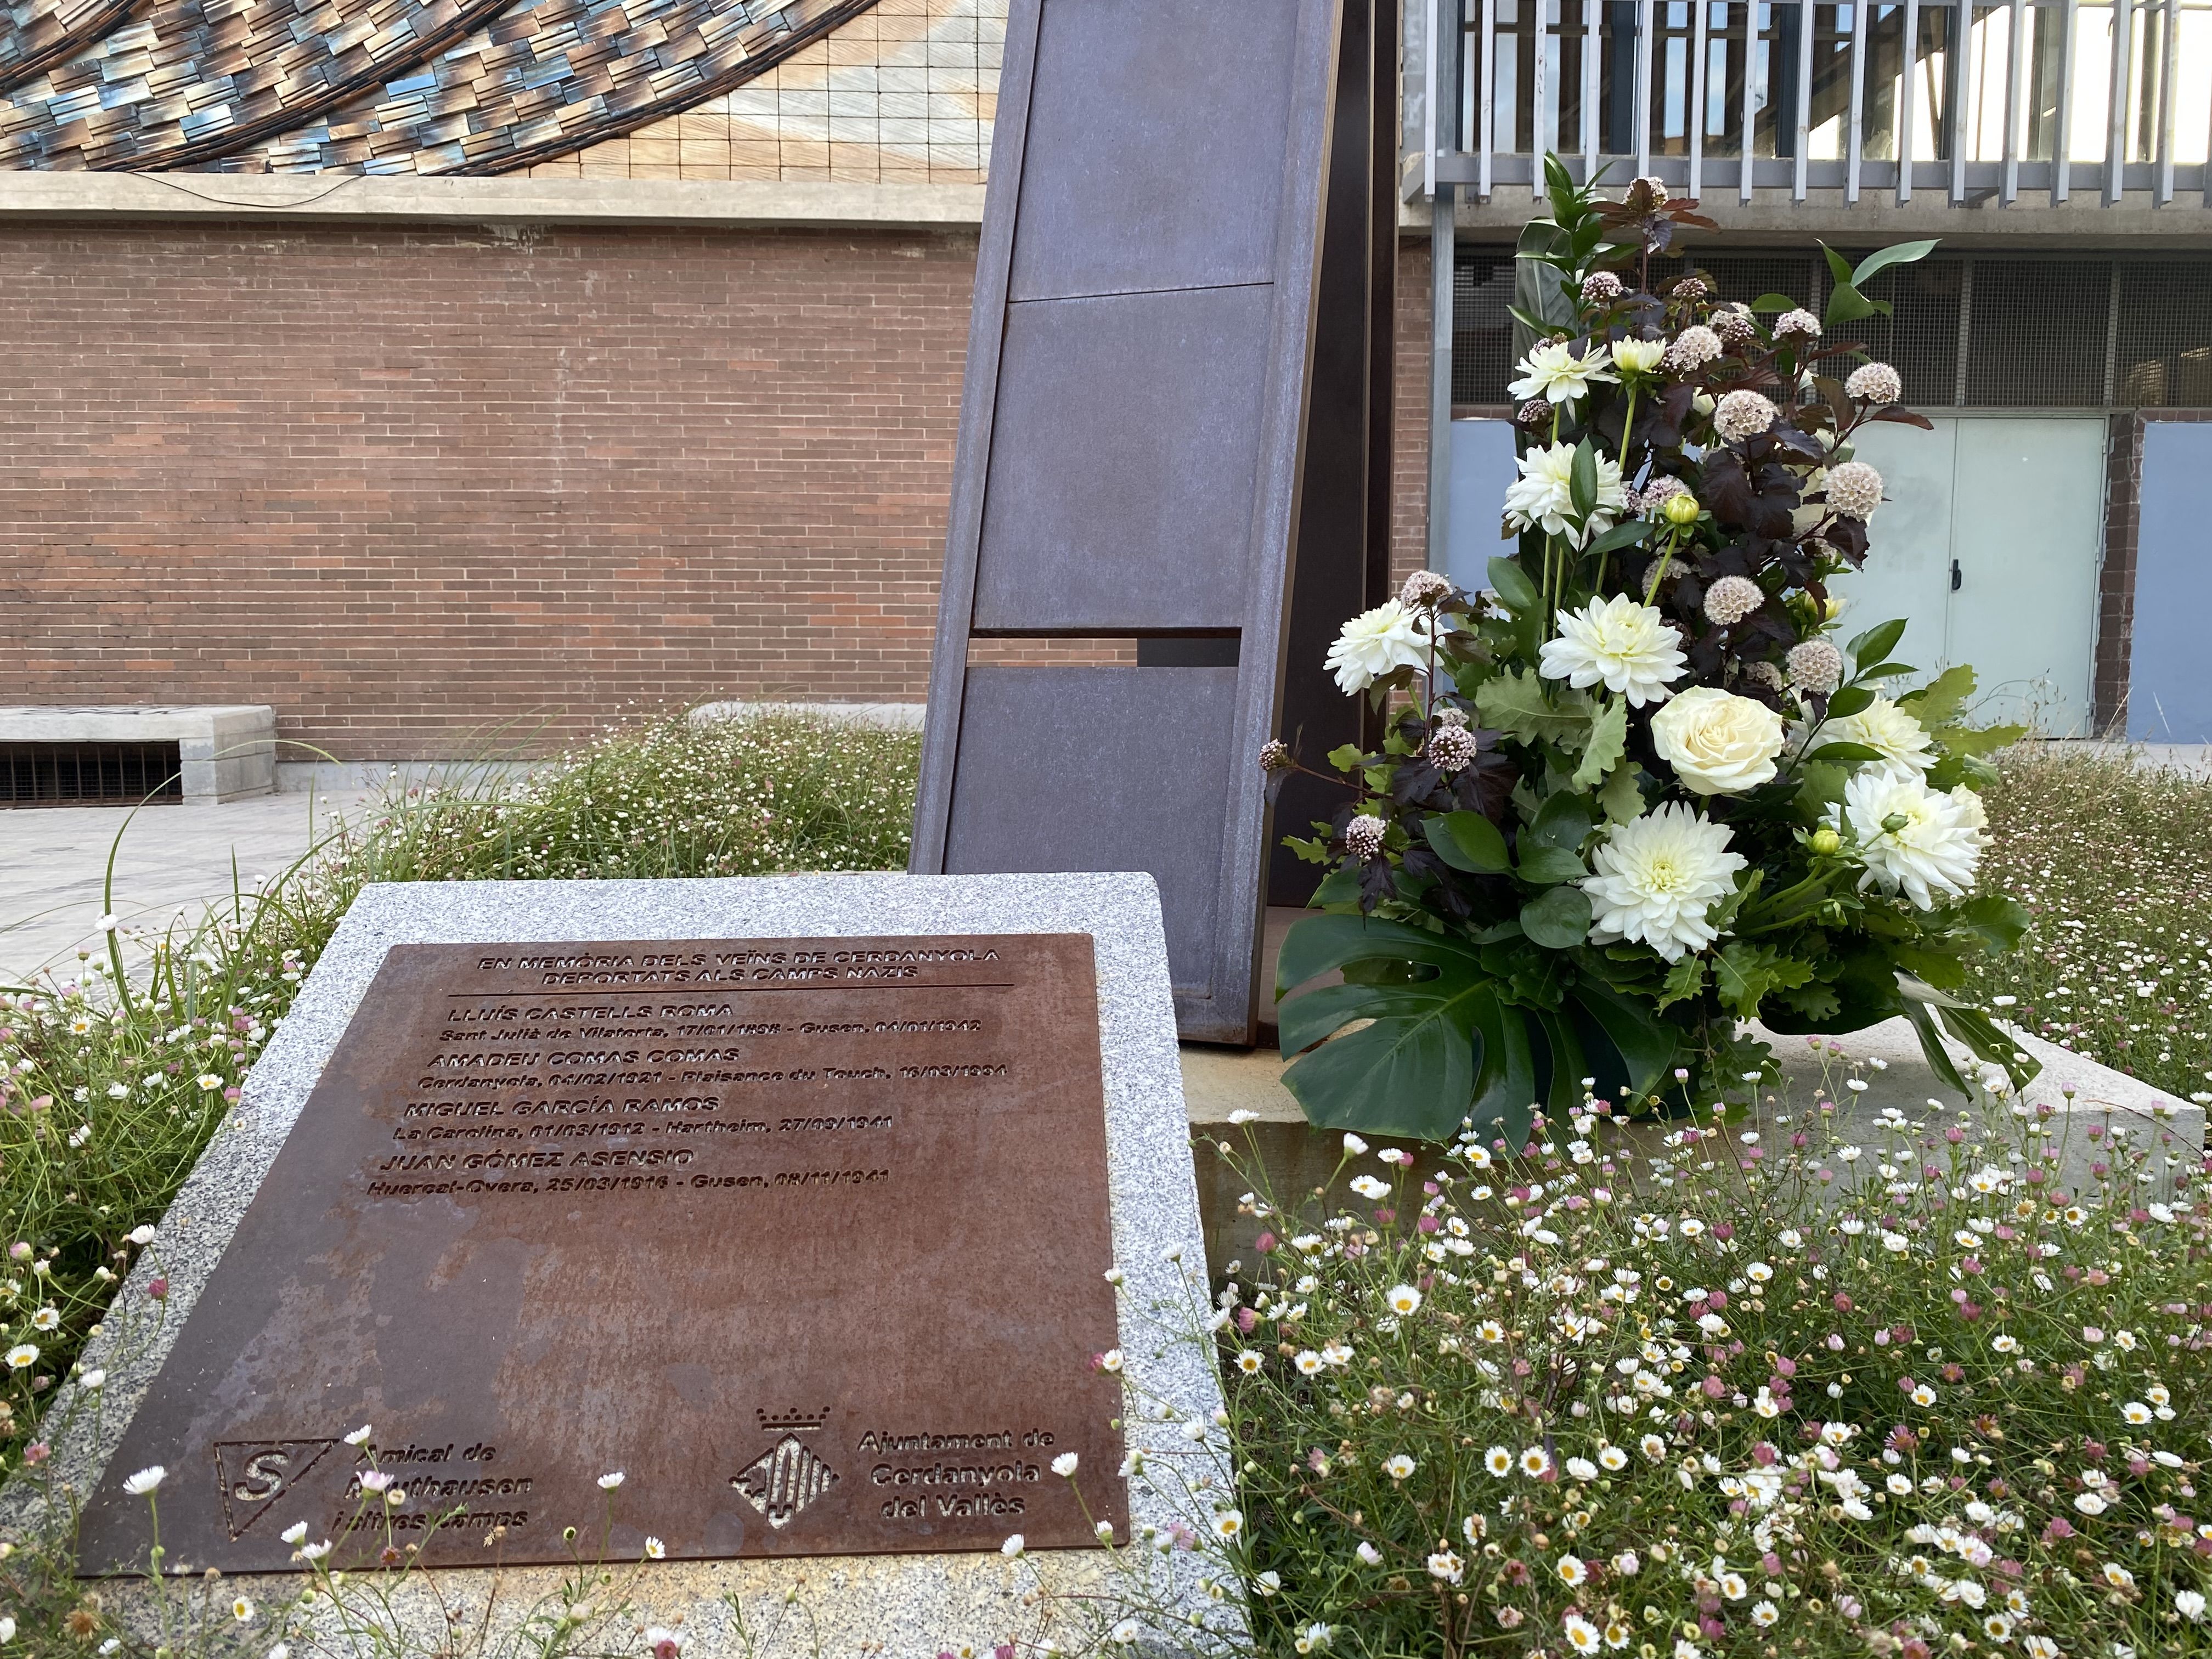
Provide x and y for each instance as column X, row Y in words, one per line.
column 1825, row 99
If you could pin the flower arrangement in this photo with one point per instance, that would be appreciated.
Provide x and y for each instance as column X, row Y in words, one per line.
column 1862, row 1383
column 1640, row 790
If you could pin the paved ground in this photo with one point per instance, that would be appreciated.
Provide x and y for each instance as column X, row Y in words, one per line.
column 53, row 862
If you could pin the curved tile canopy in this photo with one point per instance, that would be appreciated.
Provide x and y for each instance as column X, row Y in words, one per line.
column 369, row 86
column 36, row 34
column 547, row 78
column 193, row 79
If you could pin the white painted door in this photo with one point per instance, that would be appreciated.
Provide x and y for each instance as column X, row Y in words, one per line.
column 1989, row 545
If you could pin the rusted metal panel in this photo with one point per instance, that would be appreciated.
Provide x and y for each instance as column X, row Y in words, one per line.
column 1110, row 515
column 805, row 1236
column 1063, row 769
column 1101, row 487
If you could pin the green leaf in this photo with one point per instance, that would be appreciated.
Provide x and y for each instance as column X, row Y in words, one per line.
column 1346, row 756
column 1937, row 702
column 1467, row 840
column 1318, row 944
column 1547, row 866
column 1772, row 303
column 1877, row 642
column 1609, row 742
column 1982, row 1034
column 1996, row 919
column 1813, row 1001
column 1851, row 699
column 1411, row 1073
column 1511, row 584
column 1980, row 740
column 1931, row 1046
column 1339, row 886
column 1646, row 1043
column 1820, row 786
column 1558, row 920
column 1886, row 671
column 1845, row 754
column 1684, row 980
column 1505, row 1084
column 1582, row 480
column 1515, row 704
column 1838, row 266
column 1566, row 1066
column 1565, row 821
column 1744, row 973
column 1621, row 535
column 1897, row 254
column 1622, row 797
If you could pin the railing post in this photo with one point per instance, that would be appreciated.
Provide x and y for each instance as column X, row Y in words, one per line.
column 1854, row 140
column 1963, row 114
column 2169, row 73
column 1643, row 88
column 1443, row 239
column 1744, row 120
column 1486, row 95
column 1542, row 136
column 2116, row 123
column 1697, row 110
column 1806, row 19
column 1589, row 86
column 2015, row 101
column 2062, row 149
column 1910, row 59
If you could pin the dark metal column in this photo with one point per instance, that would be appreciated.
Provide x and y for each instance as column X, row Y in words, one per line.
column 1132, row 444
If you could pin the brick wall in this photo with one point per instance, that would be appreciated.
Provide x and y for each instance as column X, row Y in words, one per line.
column 402, row 485
column 425, row 492
column 2116, row 580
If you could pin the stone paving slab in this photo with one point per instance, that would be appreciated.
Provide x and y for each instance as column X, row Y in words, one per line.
column 53, row 863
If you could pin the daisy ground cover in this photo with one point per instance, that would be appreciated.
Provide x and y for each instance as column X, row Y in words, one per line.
column 1703, row 1390
column 2112, row 859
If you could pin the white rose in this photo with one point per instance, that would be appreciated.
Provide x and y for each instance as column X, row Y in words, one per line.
column 1718, row 743
column 1891, row 732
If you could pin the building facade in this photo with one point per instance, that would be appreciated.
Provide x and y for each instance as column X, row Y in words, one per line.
column 456, row 376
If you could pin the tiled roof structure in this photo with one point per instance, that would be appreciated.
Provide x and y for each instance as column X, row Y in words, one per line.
column 369, row 86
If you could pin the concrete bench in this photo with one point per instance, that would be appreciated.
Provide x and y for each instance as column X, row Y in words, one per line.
column 225, row 751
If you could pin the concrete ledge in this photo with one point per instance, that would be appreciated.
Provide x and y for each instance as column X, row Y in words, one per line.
column 505, row 201
column 897, row 716
column 1218, row 1081
column 225, row 751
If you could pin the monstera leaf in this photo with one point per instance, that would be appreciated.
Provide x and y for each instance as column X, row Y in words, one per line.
column 1446, row 1048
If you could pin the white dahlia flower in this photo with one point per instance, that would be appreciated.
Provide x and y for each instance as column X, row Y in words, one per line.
column 1625, row 646
column 1658, row 877
column 1743, row 415
column 1853, row 489
column 1875, row 383
column 1882, row 727
column 1718, row 743
column 1638, row 356
column 1542, row 497
column 1555, row 373
column 1936, row 846
column 1375, row 642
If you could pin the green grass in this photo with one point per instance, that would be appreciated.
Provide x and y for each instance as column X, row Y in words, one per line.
column 107, row 1095
column 2114, row 861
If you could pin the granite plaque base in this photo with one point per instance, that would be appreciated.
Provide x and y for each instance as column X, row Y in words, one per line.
column 769, row 1363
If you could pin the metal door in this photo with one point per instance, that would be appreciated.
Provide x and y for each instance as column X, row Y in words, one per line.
column 1988, row 543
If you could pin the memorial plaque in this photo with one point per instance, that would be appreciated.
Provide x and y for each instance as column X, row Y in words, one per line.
column 805, row 1236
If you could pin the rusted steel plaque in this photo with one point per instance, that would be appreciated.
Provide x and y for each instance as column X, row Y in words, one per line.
column 805, row 1236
